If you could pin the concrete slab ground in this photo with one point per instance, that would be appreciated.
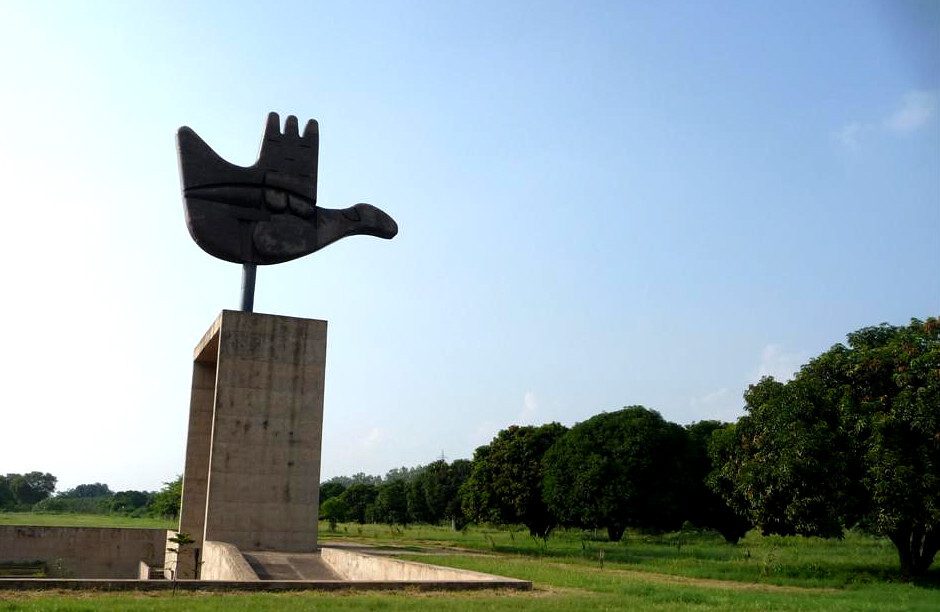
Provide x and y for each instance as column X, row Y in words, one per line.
column 290, row 566
column 333, row 568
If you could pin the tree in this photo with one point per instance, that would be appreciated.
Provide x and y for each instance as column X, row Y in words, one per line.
column 7, row 499
column 418, row 508
column 617, row 470
column 853, row 439
column 128, row 501
column 706, row 508
column 334, row 511
column 31, row 488
column 331, row 489
column 452, row 492
column 97, row 489
column 787, row 469
column 357, row 499
column 366, row 479
column 182, row 540
column 434, row 494
column 403, row 473
column 505, row 483
column 75, row 505
column 391, row 503
column 166, row 502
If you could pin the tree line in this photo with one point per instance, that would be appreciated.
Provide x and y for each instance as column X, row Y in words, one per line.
column 35, row 492
column 424, row 494
column 629, row 468
column 851, row 442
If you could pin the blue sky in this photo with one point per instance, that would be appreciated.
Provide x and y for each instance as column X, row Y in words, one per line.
column 600, row 204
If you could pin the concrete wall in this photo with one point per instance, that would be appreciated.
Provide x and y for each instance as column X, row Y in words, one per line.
column 199, row 440
column 252, row 471
column 357, row 566
column 83, row 552
column 221, row 561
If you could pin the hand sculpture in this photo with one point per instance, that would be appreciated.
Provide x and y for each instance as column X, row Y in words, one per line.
column 266, row 213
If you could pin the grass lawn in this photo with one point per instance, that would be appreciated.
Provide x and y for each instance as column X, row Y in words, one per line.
column 643, row 573
column 43, row 519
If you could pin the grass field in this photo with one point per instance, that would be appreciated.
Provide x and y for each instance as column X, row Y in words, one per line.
column 573, row 571
column 83, row 520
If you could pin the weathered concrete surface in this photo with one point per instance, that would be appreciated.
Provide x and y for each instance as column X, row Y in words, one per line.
column 357, row 566
column 290, row 566
column 83, row 552
column 222, row 561
column 260, row 456
column 144, row 571
column 199, row 440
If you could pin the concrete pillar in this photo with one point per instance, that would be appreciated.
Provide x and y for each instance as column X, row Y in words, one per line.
column 199, row 440
column 256, row 420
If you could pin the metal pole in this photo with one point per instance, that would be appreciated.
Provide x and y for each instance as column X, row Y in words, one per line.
column 248, row 286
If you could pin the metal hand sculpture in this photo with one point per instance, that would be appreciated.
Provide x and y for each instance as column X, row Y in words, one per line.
column 266, row 213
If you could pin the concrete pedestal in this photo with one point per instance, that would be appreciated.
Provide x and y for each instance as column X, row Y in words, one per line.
column 255, row 427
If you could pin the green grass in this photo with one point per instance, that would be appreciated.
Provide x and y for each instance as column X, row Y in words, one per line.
column 793, row 561
column 642, row 574
column 42, row 519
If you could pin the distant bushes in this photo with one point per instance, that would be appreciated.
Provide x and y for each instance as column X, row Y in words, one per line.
column 33, row 492
column 22, row 491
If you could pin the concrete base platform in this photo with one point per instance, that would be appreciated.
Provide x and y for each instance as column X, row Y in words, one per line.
column 289, row 566
column 225, row 568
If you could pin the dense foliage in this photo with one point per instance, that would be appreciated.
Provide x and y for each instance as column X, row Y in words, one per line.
column 424, row 494
column 166, row 501
column 621, row 469
column 853, row 439
column 707, row 508
column 434, row 494
column 22, row 491
column 34, row 492
column 505, row 484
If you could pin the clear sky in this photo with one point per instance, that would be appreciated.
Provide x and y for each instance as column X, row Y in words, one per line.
column 600, row 204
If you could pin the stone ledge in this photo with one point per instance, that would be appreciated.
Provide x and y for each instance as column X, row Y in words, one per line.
column 222, row 561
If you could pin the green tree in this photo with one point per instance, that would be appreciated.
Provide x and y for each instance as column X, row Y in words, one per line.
column 97, row 489
column 458, row 473
column 505, row 482
column 788, row 471
column 182, row 540
column 706, row 508
column 74, row 505
column 620, row 469
column 434, row 494
column 129, row 501
column 331, row 489
column 334, row 511
column 403, row 473
column 391, row 503
column 166, row 502
column 31, row 488
column 357, row 499
column 7, row 499
column 854, row 438
column 418, row 509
